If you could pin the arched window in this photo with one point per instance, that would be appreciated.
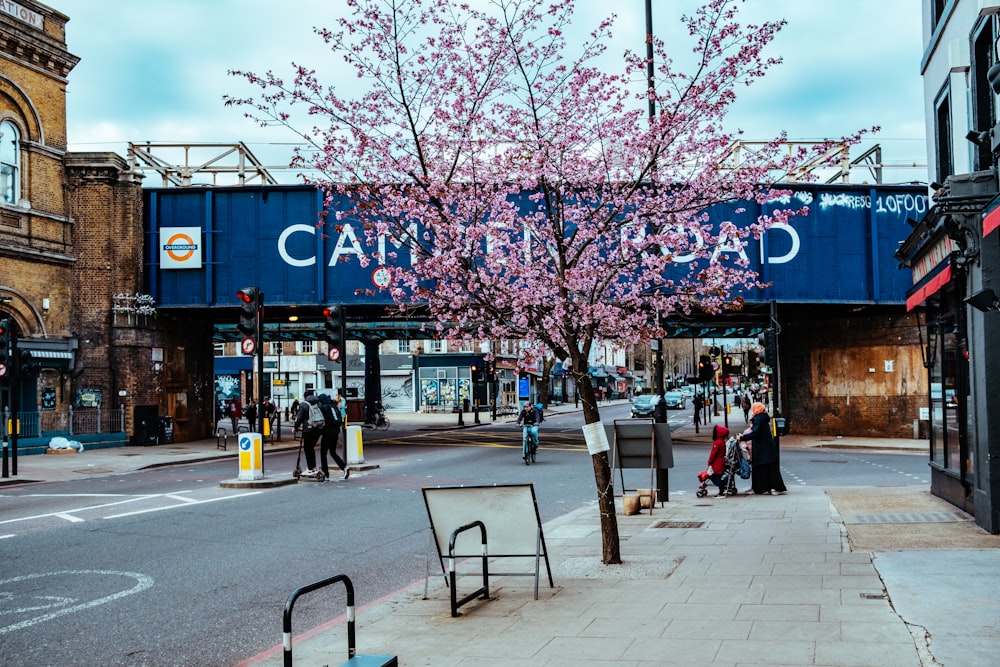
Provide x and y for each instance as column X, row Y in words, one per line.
column 10, row 162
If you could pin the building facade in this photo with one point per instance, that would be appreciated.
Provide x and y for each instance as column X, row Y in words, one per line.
column 954, row 255
column 71, row 267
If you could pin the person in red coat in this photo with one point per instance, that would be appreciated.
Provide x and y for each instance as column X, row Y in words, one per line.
column 717, row 457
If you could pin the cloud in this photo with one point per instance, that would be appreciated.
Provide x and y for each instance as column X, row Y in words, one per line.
column 158, row 71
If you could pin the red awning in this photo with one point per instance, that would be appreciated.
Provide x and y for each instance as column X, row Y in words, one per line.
column 991, row 216
column 929, row 288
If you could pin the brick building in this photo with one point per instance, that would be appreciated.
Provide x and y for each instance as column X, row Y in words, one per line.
column 71, row 262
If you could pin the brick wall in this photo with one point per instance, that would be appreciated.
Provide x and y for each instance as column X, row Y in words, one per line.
column 856, row 373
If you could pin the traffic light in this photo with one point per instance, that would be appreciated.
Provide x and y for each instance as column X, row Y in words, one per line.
column 769, row 341
column 249, row 326
column 491, row 373
column 477, row 373
column 26, row 366
column 753, row 364
column 333, row 327
column 727, row 365
column 705, row 370
column 4, row 339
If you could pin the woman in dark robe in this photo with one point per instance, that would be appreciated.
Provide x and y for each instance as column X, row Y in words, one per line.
column 766, row 475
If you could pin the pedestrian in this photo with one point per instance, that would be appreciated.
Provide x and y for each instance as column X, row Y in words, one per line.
column 270, row 411
column 310, row 433
column 717, row 458
column 766, row 474
column 745, row 404
column 235, row 412
column 250, row 412
column 329, row 436
column 697, row 412
column 294, row 410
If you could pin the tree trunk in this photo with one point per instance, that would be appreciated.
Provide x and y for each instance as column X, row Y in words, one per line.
column 610, row 544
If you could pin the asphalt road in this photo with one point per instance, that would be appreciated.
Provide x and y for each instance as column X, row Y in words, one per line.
column 164, row 567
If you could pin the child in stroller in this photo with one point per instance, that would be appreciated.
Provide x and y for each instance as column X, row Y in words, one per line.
column 716, row 471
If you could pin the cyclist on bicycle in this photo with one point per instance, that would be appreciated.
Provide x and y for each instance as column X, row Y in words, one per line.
column 529, row 418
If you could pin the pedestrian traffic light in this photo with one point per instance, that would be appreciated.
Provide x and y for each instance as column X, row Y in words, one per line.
column 4, row 339
column 705, row 370
column 251, row 303
column 334, row 326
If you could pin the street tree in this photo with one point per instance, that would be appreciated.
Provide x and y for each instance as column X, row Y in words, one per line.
column 539, row 196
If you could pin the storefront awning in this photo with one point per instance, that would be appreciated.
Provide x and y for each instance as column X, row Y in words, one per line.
column 991, row 216
column 928, row 287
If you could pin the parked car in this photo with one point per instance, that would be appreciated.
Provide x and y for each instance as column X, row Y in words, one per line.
column 688, row 391
column 644, row 405
column 674, row 400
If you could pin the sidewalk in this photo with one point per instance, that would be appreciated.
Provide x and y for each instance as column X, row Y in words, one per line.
column 850, row 576
column 729, row 581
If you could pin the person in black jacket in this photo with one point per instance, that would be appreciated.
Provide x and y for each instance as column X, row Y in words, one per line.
column 330, row 434
column 766, row 475
column 310, row 435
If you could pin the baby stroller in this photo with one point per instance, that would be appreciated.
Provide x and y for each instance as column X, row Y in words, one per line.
column 737, row 465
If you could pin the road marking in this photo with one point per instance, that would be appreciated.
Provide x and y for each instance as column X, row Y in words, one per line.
column 171, row 507
column 68, row 517
column 142, row 583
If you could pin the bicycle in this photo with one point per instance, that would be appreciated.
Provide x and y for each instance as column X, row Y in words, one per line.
column 380, row 421
column 529, row 445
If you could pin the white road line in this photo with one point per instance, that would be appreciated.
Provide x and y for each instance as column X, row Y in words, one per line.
column 60, row 513
column 68, row 517
column 171, row 507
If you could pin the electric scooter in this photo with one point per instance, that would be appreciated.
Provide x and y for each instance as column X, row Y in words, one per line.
column 299, row 474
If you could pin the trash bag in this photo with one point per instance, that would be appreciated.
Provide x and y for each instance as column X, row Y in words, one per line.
column 60, row 442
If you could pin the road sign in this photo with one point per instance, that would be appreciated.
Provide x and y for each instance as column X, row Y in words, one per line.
column 3, row 370
column 247, row 346
column 334, row 354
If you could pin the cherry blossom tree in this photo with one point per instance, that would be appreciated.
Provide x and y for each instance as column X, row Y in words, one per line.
column 536, row 196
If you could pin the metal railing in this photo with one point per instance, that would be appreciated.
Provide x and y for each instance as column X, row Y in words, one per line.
column 51, row 423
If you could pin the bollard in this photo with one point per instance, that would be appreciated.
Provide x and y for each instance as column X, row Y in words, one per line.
column 353, row 446
column 251, row 462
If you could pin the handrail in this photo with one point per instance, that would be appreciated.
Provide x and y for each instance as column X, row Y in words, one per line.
column 352, row 654
column 482, row 592
column 286, row 618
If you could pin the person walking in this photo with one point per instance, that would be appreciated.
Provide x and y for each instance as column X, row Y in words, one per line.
column 329, row 436
column 235, row 412
column 310, row 433
column 250, row 412
column 766, row 475
column 745, row 404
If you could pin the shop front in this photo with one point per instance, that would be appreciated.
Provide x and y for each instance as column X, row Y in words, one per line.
column 953, row 257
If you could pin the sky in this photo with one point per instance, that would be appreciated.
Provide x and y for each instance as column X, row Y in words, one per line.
column 157, row 71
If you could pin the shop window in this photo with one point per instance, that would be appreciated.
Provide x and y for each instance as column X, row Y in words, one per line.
column 942, row 136
column 10, row 163
column 983, row 105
